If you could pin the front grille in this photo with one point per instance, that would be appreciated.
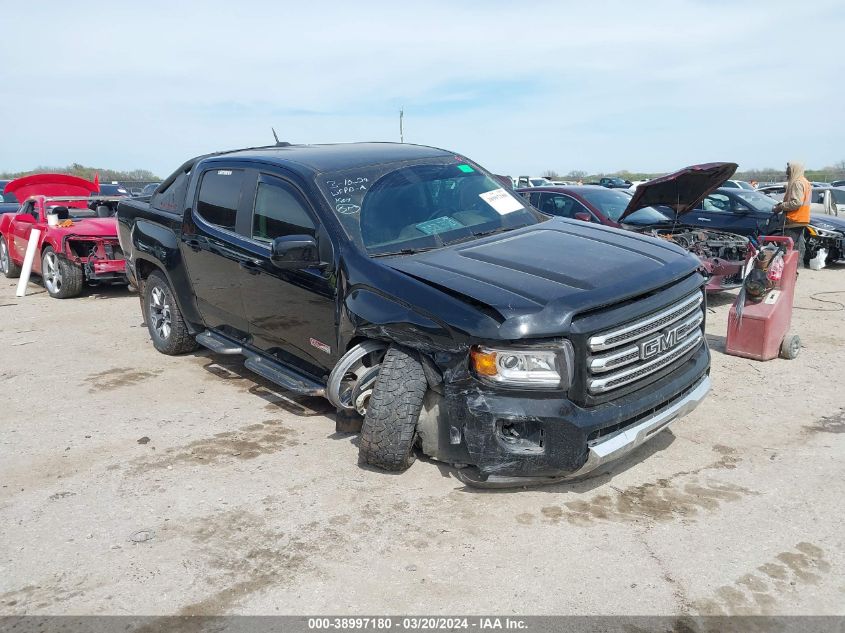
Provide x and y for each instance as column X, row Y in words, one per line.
column 634, row 351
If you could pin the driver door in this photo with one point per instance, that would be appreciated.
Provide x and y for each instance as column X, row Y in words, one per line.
column 291, row 313
column 21, row 231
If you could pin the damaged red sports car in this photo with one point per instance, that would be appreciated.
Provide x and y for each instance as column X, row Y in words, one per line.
column 656, row 209
column 78, row 243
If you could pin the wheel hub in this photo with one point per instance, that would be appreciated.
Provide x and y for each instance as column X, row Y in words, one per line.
column 52, row 274
column 160, row 316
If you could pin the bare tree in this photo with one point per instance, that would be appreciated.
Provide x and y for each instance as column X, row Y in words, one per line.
column 550, row 173
column 576, row 174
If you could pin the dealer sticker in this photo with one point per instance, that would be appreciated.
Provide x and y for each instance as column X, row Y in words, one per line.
column 501, row 201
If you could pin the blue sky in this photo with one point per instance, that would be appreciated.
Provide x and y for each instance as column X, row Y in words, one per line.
column 519, row 87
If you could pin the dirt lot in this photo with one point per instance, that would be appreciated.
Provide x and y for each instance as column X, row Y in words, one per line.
column 138, row 483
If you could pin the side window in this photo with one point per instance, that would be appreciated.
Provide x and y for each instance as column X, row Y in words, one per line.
column 29, row 207
column 740, row 207
column 534, row 199
column 220, row 193
column 717, row 202
column 563, row 206
column 279, row 212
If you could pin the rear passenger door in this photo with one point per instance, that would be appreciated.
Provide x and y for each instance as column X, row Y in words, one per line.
column 291, row 313
column 215, row 255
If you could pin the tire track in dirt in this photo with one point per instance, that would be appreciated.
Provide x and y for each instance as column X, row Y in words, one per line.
column 757, row 593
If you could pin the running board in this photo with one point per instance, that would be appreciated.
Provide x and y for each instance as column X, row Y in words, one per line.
column 218, row 344
column 283, row 376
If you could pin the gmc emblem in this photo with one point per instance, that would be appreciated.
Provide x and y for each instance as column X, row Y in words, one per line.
column 660, row 342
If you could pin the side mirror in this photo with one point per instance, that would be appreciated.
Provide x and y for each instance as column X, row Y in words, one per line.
column 583, row 216
column 28, row 218
column 294, row 251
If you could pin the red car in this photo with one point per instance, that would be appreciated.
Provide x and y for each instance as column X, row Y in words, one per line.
column 77, row 244
column 656, row 208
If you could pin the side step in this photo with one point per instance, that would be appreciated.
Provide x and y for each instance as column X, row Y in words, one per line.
column 218, row 344
column 285, row 377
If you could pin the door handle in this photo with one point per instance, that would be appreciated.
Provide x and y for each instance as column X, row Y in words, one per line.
column 704, row 219
column 250, row 266
column 194, row 245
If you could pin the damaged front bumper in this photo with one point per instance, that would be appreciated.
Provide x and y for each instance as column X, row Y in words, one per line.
column 101, row 258
column 518, row 441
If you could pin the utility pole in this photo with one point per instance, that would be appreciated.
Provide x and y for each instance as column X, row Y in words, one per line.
column 401, row 131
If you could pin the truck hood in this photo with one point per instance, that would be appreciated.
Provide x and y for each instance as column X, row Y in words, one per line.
column 558, row 268
column 50, row 185
column 681, row 191
column 93, row 227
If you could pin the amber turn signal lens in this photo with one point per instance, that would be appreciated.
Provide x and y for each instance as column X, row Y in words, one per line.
column 484, row 363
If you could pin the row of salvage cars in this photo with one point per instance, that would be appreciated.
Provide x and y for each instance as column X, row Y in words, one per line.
column 692, row 209
column 77, row 233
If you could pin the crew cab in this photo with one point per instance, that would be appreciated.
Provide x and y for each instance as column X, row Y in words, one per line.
column 78, row 246
column 427, row 303
column 655, row 208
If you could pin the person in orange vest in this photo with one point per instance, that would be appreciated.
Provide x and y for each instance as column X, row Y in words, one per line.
column 795, row 207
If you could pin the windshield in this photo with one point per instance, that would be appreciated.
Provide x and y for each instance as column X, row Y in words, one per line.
column 540, row 182
column 755, row 200
column 396, row 208
column 612, row 203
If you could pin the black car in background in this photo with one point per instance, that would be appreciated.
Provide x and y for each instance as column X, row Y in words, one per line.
column 734, row 210
column 9, row 202
column 749, row 213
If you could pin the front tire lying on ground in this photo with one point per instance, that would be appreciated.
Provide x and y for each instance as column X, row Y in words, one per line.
column 9, row 268
column 62, row 279
column 390, row 426
column 164, row 320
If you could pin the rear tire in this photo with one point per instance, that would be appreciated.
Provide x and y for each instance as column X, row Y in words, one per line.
column 164, row 320
column 61, row 278
column 9, row 268
column 390, row 426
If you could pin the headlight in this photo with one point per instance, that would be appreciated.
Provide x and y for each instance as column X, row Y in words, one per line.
column 546, row 367
column 819, row 231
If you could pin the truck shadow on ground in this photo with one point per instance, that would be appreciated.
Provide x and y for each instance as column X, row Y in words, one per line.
column 107, row 291
column 719, row 299
column 232, row 369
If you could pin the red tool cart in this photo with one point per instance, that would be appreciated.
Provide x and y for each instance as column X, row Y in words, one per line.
column 759, row 329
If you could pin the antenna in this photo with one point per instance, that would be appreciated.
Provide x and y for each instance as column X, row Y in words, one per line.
column 401, row 131
column 274, row 135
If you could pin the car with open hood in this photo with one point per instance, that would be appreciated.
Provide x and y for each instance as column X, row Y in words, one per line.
column 749, row 213
column 76, row 245
column 658, row 208
column 430, row 305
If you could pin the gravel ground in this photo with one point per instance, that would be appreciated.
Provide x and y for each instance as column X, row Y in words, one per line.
column 135, row 483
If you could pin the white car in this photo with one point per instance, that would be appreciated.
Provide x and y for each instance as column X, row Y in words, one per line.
column 737, row 184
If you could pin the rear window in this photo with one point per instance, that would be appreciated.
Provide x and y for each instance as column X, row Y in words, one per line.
column 219, row 196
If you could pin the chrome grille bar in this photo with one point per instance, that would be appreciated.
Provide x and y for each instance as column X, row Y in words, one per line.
column 619, row 379
column 653, row 323
column 631, row 354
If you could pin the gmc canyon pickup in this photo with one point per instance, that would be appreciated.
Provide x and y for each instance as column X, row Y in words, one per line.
column 405, row 285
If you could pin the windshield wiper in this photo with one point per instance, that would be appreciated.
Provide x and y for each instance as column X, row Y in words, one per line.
column 405, row 251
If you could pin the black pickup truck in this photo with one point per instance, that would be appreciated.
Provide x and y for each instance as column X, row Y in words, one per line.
column 405, row 285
